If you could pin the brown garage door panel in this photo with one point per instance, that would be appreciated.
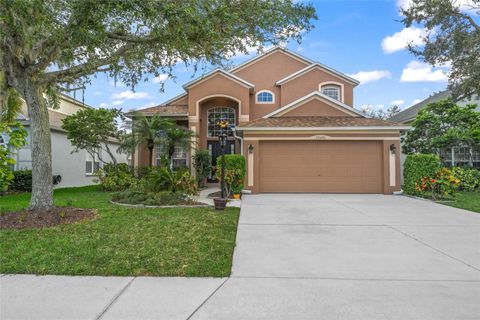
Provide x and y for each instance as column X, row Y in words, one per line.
column 321, row 166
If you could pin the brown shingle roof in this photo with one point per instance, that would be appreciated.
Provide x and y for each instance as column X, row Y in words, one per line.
column 166, row 110
column 317, row 122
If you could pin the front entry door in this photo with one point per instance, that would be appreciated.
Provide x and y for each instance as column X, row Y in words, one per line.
column 215, row 151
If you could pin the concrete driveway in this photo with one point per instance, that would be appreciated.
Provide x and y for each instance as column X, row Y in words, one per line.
column 351, row 257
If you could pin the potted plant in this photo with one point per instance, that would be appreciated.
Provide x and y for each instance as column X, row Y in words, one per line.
column 237, row 191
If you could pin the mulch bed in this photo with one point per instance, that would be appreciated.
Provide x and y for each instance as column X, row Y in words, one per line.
column 45, row 218
column 218, row 194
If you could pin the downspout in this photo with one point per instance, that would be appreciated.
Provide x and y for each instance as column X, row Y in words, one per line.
column 239, row 138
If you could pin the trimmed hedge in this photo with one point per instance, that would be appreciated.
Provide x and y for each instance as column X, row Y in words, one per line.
column 236, row 168
column 416, row 167
column 233, row 162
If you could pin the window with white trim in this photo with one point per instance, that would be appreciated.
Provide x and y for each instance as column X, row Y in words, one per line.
column 461, row 156
column 265, row 96
column 179, row 157
column 92, row 164
column 332, row 91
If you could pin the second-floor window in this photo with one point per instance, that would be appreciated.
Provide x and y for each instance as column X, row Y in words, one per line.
column 332, row 91
column 265, row 96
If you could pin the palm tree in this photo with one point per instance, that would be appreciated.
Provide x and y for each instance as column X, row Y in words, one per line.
column 156, row 130
column 148, row 131
column 177, row 136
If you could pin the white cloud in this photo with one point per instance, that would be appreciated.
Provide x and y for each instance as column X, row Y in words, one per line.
column 97, row 93
column 416, row 101
column 400, row 40
column 160, row 78
column 103, row 105
column 369, row 76
column 116, row 102
column 419, row 71
column 397, row 102
column 128, row 95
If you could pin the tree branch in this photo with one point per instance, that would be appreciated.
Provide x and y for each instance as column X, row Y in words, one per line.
column 472, row 22
column 86, row 68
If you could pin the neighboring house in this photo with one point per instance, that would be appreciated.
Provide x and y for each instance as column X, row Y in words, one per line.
column 457, row 155
column 75, row 169
column 294, row 123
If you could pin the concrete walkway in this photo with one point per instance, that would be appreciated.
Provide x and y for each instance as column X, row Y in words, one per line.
column 297, row 257
column 211, row 188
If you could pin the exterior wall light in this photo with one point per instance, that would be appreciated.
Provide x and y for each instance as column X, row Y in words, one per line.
column 393, row 148
column 250, row 148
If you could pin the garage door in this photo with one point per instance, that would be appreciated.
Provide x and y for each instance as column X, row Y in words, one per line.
column 321, row 166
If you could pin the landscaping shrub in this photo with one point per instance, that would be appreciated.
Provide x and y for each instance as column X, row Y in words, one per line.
column 203, row 166
column 416, row 167
column 163, row 198
column 116, row 177
column 235, row 169
column 443, row 185
column 469, row 178
column 22, row 180
column 165, row 179
column 131, row 196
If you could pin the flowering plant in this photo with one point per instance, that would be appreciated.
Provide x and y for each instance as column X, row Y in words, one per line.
column 443, row 185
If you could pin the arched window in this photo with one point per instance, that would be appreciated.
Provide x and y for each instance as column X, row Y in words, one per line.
column 217, row 114
column 265, row 96
column 332, row 91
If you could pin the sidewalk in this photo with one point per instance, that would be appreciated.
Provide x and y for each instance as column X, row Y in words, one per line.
column 66, row 297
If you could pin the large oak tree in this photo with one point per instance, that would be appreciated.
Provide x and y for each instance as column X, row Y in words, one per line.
column 47, row 45
column 452, row 37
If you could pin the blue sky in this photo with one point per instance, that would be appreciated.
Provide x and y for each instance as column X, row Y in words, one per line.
column 361, row 38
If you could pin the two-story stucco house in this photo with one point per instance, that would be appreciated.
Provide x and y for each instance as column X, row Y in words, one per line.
column 294, row 123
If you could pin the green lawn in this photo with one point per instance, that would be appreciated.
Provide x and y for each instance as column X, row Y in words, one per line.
column 467, row 200
column 121, row 241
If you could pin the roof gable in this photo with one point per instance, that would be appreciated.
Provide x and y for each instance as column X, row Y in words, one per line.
column 270, row 52
column 221, row 72
column 321, row 67
column 320, row 96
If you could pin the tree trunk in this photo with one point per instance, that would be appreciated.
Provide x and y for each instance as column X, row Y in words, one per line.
column 114, row 160
column 41, row 147
column 150, row 157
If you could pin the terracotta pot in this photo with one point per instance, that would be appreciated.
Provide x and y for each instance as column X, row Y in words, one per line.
column 236, row 196
column 220, row 203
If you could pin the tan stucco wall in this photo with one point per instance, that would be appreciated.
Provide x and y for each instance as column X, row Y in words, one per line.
column 264, row 74
column 315, row 107
column 218, row 85
column 309, row 82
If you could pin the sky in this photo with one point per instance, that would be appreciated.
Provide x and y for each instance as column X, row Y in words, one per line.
column 364, row 39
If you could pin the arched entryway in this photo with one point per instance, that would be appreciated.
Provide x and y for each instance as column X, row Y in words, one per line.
column 213, row 110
